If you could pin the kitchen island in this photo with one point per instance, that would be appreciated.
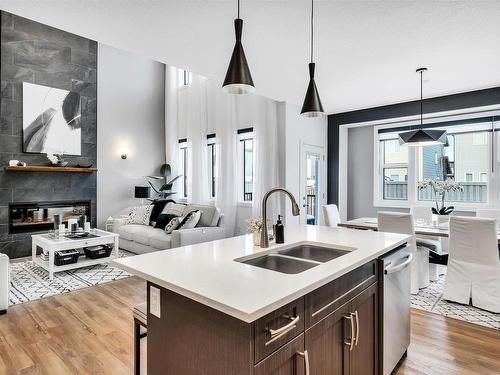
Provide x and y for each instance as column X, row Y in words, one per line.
column 214, row 309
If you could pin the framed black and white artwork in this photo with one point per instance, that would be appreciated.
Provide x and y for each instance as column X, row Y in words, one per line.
column 51, row 120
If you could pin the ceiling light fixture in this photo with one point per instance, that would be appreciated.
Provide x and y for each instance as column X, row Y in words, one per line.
column 312, row 106
column 422, row 137
column 238, row 78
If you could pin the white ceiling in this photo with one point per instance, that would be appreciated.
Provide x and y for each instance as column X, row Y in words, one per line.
column 366, row 51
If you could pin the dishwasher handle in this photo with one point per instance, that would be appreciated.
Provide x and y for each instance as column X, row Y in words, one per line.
column 400, row 266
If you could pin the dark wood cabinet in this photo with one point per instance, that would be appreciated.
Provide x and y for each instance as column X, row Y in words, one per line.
column 336, row 328
column 284, row 361
column 345, row 342
column 325, row 344
column 364, row 356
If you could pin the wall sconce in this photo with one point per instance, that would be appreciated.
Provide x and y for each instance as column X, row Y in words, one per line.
column 123, row 156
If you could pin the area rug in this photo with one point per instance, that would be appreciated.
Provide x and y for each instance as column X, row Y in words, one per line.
column 30, row 282
column 431, row 299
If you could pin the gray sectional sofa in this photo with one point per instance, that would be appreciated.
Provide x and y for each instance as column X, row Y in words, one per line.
column 142, row 239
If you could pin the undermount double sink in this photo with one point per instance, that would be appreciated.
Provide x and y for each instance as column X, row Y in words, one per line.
column 295, row 259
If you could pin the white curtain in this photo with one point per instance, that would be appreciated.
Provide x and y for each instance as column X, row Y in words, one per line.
column 266, row 156
column 202, row 108
column 187, row 117
column 171, row 122
column 226, row 197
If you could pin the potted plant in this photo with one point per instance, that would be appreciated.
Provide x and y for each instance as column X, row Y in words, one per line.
column 440, row 188
column 165, row 190
column 255, row 227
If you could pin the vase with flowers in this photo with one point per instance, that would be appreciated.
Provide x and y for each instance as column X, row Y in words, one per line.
column 255, row 227
column 440, row 189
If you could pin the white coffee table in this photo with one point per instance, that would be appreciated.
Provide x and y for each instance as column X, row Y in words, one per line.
column 51, row 245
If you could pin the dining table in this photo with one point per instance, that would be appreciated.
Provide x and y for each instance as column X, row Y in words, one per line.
column 421, row 228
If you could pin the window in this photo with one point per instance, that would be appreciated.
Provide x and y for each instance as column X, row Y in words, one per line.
column 394, row 168
column 212, row 164
column 469, row 156
column 480, row 139
column 466, row 158
column 245, row 156
column 183, row 167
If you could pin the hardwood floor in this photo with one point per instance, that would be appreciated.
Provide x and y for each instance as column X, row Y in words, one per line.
column 89, row 331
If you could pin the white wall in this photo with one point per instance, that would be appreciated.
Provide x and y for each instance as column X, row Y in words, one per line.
column 299, row 131
column 131, row 118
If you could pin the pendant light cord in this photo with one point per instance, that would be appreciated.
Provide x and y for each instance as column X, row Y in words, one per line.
column 312, row 30
column 421, row 100
column 238, row 8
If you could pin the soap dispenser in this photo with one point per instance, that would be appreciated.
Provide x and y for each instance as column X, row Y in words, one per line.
column 279, row 234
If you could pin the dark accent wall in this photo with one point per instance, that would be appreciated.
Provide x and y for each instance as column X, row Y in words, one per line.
column 464, row 100
column 37, row 53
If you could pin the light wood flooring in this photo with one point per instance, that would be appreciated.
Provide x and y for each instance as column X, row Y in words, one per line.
column 89, row 331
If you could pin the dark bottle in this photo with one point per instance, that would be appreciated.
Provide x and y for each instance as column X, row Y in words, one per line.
column 279, row 231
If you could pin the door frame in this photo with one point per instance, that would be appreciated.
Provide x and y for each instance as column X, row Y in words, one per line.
column 322, row 199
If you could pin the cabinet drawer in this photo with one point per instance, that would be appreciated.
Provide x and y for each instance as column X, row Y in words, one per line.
column 277, row 328
column 284, row 361
column 328, row 298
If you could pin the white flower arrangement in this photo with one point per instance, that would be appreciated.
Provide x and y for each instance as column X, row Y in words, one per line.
column 440, row 189
column 254, row 225
column 54, row 159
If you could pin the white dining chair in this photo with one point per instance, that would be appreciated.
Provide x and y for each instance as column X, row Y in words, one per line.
column 489, row 213
column 331, row 214
column 473, row 272
column 397, row 222
column 424, row 214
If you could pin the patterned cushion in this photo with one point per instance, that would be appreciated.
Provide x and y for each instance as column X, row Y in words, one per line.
column 140, row 215
column 174, row 223
column 190, row 220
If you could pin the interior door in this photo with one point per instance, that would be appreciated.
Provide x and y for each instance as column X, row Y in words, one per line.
column 312, row 184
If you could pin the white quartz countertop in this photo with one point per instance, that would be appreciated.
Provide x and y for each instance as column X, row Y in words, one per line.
column 209, row 274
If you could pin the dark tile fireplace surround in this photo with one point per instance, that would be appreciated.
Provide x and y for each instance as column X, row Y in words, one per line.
column 36, row 53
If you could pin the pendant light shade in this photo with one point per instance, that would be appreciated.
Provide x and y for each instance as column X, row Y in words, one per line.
column 312, row 106
column 422, row 137
column 238, row 78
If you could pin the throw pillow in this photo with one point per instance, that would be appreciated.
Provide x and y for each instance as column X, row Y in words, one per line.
column 172, row 225
column 158, row 206
column 140, row 215
column 176, row 209
column 163, row 220
column 190, row 220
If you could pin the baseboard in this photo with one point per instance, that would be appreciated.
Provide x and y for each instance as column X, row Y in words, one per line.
column 3, row 312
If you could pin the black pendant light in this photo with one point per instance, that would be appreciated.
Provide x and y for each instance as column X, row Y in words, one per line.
column 422, row 137
column 312, row 106
column 238, row 78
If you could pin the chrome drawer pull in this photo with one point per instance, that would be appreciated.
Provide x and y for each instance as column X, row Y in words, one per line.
column 306, row 360
column 351, row 343
column 289, row 326
column 357, row 326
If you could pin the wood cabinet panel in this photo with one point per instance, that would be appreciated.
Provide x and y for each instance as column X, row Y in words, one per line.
column 365, row 356
column 284, row 361
column 325, row 344
column 323, row 301
column 291, row 316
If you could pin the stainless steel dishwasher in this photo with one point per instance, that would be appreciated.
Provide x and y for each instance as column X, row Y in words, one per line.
column 396, row 306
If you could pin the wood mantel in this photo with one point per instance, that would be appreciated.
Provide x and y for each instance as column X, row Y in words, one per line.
column 42, row 168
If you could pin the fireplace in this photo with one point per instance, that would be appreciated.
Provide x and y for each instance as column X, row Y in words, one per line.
column 39, row 216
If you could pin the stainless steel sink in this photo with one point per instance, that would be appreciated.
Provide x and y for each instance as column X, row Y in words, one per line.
column 275, row 262
column 313, row 252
